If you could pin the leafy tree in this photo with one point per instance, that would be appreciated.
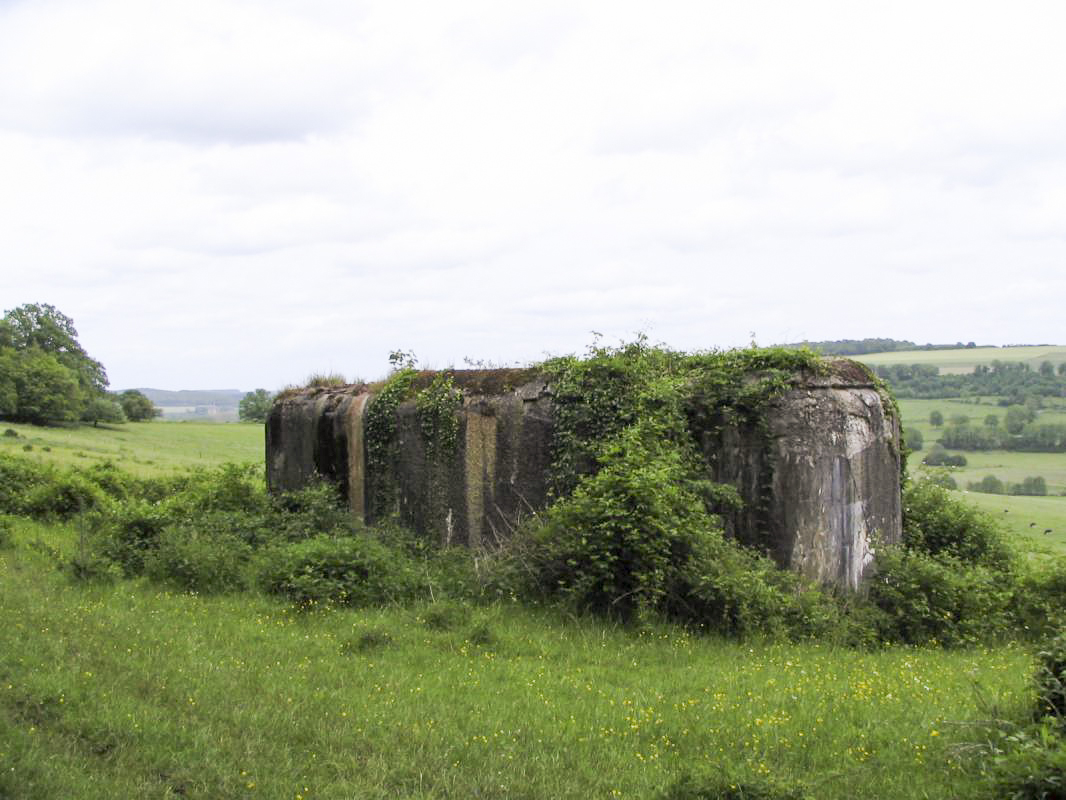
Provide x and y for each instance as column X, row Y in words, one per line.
column 1047, row 369
column 103, row 408
column 1017, row 418
column 137, row 407
column 46, row 390
column 9, row 365
column 913, row 439
column 255, row 406
column 1062, row 368
column 42, row 327
column 992, row 421
column 936, row 419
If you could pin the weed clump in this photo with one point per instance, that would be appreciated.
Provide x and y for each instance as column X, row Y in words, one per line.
column 355, row 571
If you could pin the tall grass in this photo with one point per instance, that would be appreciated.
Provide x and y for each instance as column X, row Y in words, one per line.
column 128, row 690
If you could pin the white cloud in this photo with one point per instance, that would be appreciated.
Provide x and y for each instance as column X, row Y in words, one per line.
column 236, row 193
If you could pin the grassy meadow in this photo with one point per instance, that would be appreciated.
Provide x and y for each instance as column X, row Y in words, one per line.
column 962, row 360
column 129, row 690
column 146, row 449
column 1024, row 517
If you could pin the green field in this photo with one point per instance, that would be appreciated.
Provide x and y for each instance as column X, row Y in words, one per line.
column 965, row 359
column 128, row 690
column 1024, row 517
column 145, row 448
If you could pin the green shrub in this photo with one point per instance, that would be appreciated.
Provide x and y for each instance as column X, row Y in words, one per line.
column 939, row 457
column 937, row 524
column 199, row 560
column 353, row 571
column 926, row 599
column 1039, row 602
column 18, row 477
column 7, row 541
column 129, row 532
column 940, row 477
column 1034, row 768
column 989, row 484
column 1051, row 679
column 313, row 510
column 86, row 565
column 231, row 487
column 63, row 495
column 445, row 616
column 618, row 543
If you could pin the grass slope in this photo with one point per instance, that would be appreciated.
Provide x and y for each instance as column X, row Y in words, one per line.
column 129, row 691
column 145, row 449
column 965, row 359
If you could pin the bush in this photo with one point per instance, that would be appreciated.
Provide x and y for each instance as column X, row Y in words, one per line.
column 199, row 560
column 1051, row 680
column 939, row 476
column 128, row 534
column 7, row 541
column 1032, row 487
column 18, row 477
column 63, row 495
column 989, row 484
column 617, row 545
column 939, row 457
column 1034, row 768
column 354, row 571
column 924, row 599
column 937, row 524
column 913, row 439
column 1040, row 597
column 310, row 511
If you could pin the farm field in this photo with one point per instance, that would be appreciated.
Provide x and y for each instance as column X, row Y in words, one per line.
column 143, row 448
column 965, row 359
column 128, row 690
column 1025, row 517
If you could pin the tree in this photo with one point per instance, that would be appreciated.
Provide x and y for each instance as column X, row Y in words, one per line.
column 46, row 391
column 936, row 419
column 912, row 439
column 255, row 406
column 992, row 421
column 137, row 407
column 103, row 408
column 1047, row 369
column 45, row 374
column 1017, row 417
column 44, row 328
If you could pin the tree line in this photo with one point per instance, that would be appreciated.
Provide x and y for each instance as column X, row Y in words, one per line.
column 1013, row 382
column 47, row 377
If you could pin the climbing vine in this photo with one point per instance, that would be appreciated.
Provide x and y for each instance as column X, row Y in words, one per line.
column 634, row 520
column 379, row 426
column 438, row 405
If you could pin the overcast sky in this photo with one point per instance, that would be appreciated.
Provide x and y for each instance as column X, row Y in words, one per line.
column 229, row 194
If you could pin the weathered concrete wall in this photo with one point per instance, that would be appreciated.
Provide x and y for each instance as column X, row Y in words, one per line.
column 820, row 482
column 821, row 486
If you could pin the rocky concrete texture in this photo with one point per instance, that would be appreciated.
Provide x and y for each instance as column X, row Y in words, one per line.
column 820, row 481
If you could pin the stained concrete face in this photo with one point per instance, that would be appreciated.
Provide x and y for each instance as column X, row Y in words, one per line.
column 820, row 484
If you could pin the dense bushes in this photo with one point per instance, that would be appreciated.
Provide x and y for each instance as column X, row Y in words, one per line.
column 353, row 571
column 937, row 524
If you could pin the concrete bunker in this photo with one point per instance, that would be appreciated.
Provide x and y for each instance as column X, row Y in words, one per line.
column 820, row 479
